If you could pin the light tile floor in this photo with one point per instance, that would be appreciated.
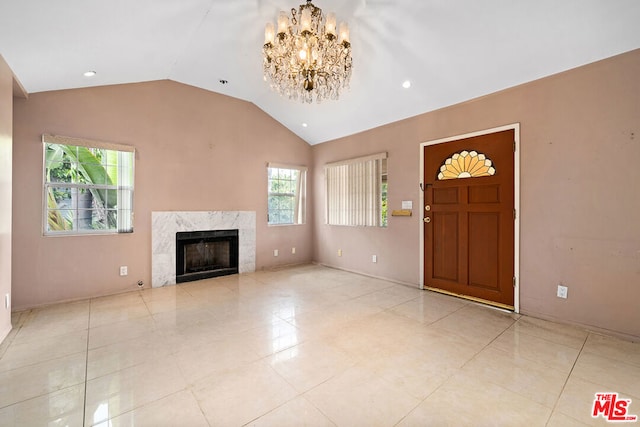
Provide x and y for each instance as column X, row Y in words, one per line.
column 303, row 346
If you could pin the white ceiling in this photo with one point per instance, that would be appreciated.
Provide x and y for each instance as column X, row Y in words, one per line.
column 451, row 50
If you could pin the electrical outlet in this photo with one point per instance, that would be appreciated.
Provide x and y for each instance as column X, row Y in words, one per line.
column 339, row 252
column 293, row 250
column 123, row 270
column 562, row 291
column 374, row 258
column 275, row 252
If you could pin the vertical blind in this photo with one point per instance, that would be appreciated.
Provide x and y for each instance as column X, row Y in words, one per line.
column 354, row 191
column 125, row 192
column 301, row 196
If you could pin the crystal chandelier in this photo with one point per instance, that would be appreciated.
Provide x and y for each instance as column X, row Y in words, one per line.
column 305, row 59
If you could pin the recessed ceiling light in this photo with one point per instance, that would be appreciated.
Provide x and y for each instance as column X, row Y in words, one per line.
column 406, row 84
column 304, row 125
column 89, row 73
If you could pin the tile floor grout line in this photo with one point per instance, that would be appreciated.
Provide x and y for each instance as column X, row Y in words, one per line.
column 389, row 309
column 86, row 368
column 428, row 395
column 568, row 377
column 302, row 395
column 38, row 396
column 552, row 341
column 288, row 294
column 499, row 385
column 43, row 361
column 189, row 388
column 271, row 410
column 11, row 336
column 488, row 344
column 445, row 316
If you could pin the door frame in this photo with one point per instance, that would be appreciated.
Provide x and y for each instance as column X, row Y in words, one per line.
column 516, row 201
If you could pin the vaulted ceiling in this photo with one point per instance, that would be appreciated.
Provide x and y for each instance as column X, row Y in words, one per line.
column 450, row 50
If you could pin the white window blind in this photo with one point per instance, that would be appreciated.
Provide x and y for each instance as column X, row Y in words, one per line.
column 354, row 191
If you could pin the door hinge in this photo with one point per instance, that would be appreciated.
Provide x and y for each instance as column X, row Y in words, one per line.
column 514, row 281
column 514, row 146
column 514, row 215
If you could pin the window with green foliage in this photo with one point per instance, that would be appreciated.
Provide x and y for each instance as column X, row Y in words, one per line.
column 88, row 186
column 286, row 194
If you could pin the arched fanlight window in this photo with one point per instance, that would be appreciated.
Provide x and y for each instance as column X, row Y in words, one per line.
column 466, row 164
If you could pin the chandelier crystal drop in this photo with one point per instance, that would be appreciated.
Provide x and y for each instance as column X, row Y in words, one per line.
column 304, row 57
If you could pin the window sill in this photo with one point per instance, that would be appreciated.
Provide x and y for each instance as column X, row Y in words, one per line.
column 95, row 233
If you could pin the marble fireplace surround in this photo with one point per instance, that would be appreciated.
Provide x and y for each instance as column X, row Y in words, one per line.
column 165, row 225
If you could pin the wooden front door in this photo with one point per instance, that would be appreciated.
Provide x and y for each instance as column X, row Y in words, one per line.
column 469, row 217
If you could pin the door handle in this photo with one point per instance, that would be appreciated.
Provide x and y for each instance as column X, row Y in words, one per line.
column 427, row 220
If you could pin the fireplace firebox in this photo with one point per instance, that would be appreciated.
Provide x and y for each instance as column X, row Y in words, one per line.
column 205, row 254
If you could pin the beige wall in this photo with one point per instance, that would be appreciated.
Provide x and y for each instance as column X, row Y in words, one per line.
column 580, row 203
column 580, row 138
column 6, row 124
column 196, row 150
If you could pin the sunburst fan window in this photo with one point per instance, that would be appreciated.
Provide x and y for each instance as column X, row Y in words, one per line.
column 466, row 164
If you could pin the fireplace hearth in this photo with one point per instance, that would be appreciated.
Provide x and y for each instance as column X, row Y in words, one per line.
column 205, row 254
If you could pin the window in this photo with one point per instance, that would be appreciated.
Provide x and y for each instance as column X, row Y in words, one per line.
column 287, row 194
column 356, row 191
column 88, row 186
column 466, row 165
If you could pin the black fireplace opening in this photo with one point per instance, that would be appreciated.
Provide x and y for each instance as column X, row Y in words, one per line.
column 205, row 254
